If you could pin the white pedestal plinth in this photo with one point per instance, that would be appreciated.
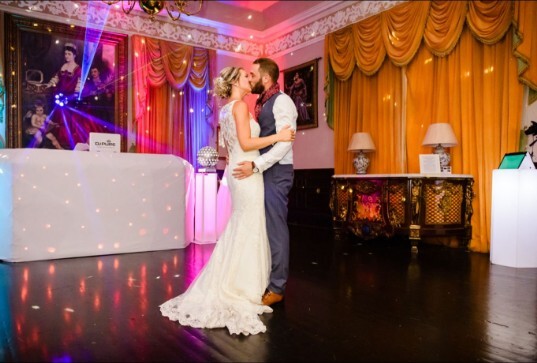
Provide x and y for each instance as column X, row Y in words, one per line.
column 513, row 234
column 205, row 208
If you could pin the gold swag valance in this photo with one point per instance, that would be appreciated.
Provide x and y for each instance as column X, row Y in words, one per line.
column 398, row 33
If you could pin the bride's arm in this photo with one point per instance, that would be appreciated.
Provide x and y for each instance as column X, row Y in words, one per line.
column 248, row 143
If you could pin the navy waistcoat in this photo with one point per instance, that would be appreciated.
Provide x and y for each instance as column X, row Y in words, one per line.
column 267, row 121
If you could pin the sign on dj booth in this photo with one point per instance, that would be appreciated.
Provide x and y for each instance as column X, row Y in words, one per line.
column 104, row 142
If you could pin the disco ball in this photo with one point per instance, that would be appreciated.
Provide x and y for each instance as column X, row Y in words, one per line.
column 207, row 157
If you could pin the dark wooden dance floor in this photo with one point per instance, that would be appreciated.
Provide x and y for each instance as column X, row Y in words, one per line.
column 346, row 301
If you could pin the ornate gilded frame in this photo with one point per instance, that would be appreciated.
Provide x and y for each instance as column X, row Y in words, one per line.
column 15, row 27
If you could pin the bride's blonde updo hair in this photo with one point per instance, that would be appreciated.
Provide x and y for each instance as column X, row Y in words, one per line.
column 222, row 83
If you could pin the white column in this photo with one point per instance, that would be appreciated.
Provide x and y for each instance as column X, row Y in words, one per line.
column 513, row 240
column 205, row 208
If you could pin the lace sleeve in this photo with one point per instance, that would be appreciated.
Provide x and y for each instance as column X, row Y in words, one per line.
column 221, row 141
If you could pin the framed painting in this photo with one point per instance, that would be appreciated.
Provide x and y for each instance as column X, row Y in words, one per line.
column 63, row 82
column 300, row 83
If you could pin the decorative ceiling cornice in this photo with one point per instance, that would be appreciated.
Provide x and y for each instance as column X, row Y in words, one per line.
column 314, row 31
column 310, row 30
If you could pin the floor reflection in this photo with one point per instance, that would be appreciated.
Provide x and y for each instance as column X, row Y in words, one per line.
column 346, row 300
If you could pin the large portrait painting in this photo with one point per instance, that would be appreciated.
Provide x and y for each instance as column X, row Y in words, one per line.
column 63, row 82
column 300, row 83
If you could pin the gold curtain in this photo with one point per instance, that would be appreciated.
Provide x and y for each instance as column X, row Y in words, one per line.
column 526, row 41
column 375, row 107
column 162, row 69
column 467, row 76
column 402, row 30
column 475, row 89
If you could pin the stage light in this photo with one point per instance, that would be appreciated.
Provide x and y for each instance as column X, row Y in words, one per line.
column 61, row 100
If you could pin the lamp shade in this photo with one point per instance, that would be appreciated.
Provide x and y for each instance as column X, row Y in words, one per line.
column 361, row 141
column 440, row 134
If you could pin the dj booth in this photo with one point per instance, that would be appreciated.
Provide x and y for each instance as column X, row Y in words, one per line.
column 58, row 204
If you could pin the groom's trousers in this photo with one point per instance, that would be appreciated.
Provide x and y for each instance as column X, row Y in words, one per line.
column 278, row 181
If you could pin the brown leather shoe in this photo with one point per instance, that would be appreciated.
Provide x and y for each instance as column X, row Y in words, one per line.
column 271, row 298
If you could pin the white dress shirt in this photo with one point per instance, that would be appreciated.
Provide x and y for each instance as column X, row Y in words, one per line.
column 285, row 113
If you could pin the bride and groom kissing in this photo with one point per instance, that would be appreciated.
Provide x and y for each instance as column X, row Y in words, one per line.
column 249, row 266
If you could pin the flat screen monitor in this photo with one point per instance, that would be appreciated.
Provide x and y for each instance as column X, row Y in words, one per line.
column 512, row 160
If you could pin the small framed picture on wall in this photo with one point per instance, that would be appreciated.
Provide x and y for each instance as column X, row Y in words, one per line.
column 300, row 83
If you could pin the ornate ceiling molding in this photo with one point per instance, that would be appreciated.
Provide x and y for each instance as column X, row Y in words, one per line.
column 74, row 12
column 316, row 30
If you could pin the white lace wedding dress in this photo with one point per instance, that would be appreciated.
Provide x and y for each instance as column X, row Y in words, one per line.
column 227, row 292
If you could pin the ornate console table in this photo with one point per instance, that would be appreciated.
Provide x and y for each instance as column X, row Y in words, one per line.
column 411, row 205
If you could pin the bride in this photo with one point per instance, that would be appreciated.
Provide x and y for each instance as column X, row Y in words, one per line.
column 228, row 290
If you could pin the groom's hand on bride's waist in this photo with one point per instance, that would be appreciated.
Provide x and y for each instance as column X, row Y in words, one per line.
column 243, row 170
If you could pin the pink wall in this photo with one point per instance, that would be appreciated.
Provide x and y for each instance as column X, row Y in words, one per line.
column 314, row 148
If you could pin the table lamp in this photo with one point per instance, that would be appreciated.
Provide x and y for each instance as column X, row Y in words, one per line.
column 439, row 136
column 361, row 143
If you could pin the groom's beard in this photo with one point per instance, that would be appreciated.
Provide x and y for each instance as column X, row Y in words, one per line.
column 258, row 88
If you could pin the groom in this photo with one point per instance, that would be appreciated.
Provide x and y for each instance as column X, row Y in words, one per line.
column 273, row 110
